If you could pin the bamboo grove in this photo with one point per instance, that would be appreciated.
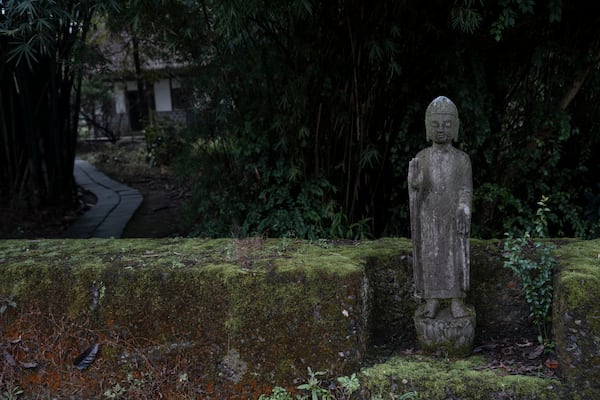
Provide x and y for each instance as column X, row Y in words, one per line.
column 307, row 112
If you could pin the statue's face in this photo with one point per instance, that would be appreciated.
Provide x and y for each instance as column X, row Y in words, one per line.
column 442, row 128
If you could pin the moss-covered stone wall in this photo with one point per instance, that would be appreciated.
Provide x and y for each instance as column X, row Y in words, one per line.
column 191, row 318
column 502, row 312
column 231, row 317
column 576, row 316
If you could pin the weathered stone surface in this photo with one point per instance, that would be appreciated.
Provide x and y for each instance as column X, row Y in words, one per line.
column 229, row 318
column 576, row 316
column 496, row 295
column 392, row 300
column 440, row 189
column 446, row 334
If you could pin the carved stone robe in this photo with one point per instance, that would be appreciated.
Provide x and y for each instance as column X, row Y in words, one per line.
column 440, row 252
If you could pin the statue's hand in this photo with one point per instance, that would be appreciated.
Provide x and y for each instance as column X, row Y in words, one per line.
column 463, row 219
column 415, row 176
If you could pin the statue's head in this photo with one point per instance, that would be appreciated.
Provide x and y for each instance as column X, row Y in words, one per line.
column 441, row 120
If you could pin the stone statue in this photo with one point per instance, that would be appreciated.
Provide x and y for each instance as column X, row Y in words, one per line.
column 440, row 192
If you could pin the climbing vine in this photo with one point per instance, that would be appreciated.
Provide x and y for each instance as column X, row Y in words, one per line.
column 531, row 260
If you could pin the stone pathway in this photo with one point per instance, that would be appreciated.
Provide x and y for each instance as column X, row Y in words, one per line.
column 115, row 206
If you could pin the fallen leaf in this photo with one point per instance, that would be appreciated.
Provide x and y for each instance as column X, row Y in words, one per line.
column 527, row 369
column 87, row 357
column 9, row 358
column 484, row 347
column 507, row 351
column 526, row 344
column 536, row 353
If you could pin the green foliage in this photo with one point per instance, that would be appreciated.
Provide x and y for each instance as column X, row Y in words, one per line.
column 279, row 393
column 349, row 384
column 164, row 141
column 30, row 27
column 592, row 212
column 309, row 112
column 41, row 55
column 11, row 392
column 116, row 392
column 133, row 386
column 465, row 16
column 502, row 204
column 270, row 203
column 341, row 228
column 279, row 211
column 96, row 93
column 315, row 388
column 284, row 118
column 532, row 262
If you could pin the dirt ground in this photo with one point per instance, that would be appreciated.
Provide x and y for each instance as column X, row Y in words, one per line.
column 161, row 213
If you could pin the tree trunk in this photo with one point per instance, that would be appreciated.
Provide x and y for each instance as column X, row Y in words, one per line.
column 36, row 136
column 141, row 100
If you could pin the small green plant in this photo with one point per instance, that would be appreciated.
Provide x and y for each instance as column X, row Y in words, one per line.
column 316, row 390
column 279, row 393
column 313, row 386
column 18, row 232
column 409, row 396
column 11, row 392
column 116, row 392
column 532, row 262
column 341, row 228
column 349, row 384
column 164, row 141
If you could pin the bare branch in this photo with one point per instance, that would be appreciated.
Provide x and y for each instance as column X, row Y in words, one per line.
column 577, row 84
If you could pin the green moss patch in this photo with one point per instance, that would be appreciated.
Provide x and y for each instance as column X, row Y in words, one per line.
column 230, row 316
column 580, row 275
column 434, row 378
column 576, row 315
